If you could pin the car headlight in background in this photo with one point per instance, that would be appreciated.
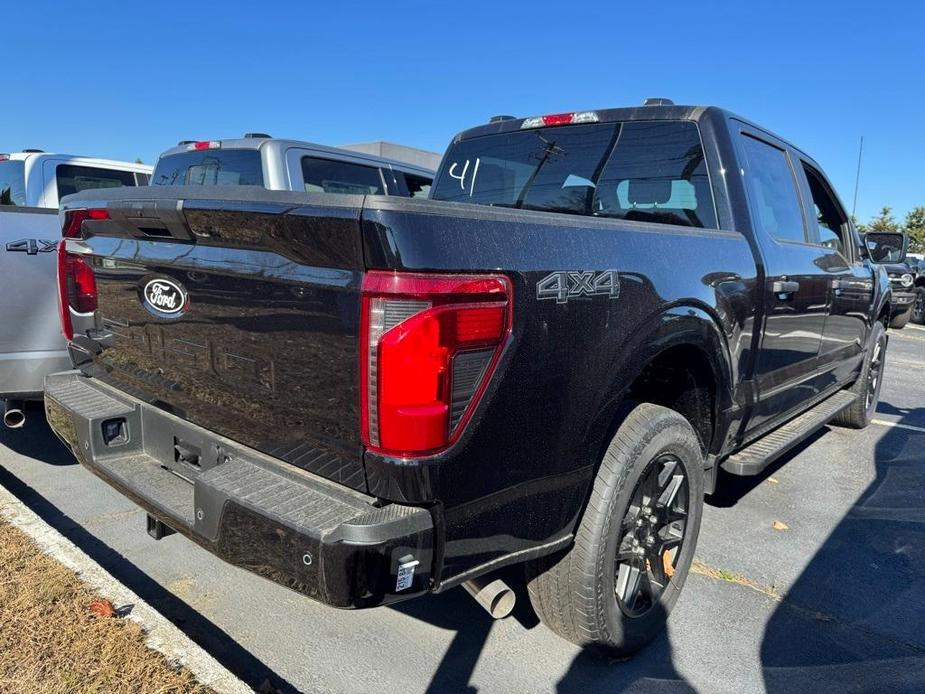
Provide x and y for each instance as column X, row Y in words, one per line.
column 906, row 280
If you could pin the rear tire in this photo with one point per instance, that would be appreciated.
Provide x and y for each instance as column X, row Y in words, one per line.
column 867, row 387
column 587, row 594
column 899, row 322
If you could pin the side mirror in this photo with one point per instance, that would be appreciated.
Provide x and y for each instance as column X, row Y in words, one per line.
column 886, row 246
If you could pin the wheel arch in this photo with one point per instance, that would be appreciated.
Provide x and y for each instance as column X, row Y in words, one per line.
column 688, row 337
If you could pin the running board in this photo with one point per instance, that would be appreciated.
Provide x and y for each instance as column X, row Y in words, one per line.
column 757, row 456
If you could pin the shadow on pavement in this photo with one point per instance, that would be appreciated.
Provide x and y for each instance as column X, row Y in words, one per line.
column 854, row 619
column 35, row 439
column 911, row 416
column 730, row 489
column 651, row 670
column 209, row 636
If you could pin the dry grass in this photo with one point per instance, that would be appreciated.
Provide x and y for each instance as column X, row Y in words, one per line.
column 51, row 641
column 698, row 567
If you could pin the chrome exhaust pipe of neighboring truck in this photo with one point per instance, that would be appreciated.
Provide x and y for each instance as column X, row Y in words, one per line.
column 14, row 415
column 495, row 596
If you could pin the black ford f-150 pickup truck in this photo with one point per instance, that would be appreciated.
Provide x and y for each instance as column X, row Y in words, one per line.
column 368, row 398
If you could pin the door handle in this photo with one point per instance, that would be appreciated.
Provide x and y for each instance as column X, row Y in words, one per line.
column 785, row 288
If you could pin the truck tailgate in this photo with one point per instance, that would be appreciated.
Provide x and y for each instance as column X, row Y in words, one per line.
column 30, row 332
column 216, row 306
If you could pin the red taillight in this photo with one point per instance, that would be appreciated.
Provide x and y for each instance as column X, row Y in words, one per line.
column 429, row 344
column 76, row 287
column 74, row 219
column 205, row 144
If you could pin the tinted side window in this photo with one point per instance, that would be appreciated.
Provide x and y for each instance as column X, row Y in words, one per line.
column 657, row 173
column 73, row 179
column 418, row 186
column 772, row 191
column 331, row 176
column 12, row 183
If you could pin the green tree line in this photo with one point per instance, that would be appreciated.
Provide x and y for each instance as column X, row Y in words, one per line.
column 913, row 226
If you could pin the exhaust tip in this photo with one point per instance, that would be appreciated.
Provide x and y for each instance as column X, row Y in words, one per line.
column 14, row 415
column 14, row 419
column 496, row 596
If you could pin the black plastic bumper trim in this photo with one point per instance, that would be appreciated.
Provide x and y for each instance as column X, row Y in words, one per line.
column 326, row 541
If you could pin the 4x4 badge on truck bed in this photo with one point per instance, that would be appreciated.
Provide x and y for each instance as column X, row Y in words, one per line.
column 164, row 298
column 563, row 286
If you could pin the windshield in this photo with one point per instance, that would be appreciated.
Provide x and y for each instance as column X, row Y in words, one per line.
column 650, row 171
column 210, row 167
column 12, row 183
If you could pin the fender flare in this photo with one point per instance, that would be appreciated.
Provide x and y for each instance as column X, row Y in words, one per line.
column 683, row 324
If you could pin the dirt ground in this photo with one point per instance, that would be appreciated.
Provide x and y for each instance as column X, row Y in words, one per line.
column 57, row 636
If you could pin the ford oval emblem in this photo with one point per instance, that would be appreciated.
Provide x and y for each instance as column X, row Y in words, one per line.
column 164, row 297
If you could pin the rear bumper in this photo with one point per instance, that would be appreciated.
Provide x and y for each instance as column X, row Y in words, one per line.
column 295, row 528
column 22, row 374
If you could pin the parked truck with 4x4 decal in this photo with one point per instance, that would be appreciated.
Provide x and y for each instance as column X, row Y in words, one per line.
column 370, row 398
column 31, row 184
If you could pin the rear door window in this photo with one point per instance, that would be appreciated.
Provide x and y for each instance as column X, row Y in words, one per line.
column 210, row 167
column 772, row 191
column 332, row 176
column 73, row 179
column 12, row 183
column 652, row 171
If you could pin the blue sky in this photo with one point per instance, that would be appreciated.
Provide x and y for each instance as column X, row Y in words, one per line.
column 116, row 80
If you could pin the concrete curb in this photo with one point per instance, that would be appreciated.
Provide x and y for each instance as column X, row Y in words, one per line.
column 160, row 633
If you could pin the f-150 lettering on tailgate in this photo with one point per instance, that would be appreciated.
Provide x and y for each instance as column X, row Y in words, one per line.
column 240, row 369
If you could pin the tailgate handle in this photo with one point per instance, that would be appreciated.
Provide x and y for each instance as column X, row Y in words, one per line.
column 152, row 219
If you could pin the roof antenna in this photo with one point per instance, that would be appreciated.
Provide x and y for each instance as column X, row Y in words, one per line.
column 857, row 177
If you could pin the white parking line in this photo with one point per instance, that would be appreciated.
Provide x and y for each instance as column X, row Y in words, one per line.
column 906, row 362
column 898, row 335
column 897, row 425
column 915, row 327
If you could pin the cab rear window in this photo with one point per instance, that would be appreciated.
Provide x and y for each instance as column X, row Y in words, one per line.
column 211, row 167
column 73, row 179
column 649, row 171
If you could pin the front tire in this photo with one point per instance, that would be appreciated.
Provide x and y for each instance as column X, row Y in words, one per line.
column 918, row 308
column 899, row 322
column 867, row 387
column 633, row 549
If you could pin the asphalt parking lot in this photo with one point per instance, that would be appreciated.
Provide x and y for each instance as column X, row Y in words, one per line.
column 809, row 577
